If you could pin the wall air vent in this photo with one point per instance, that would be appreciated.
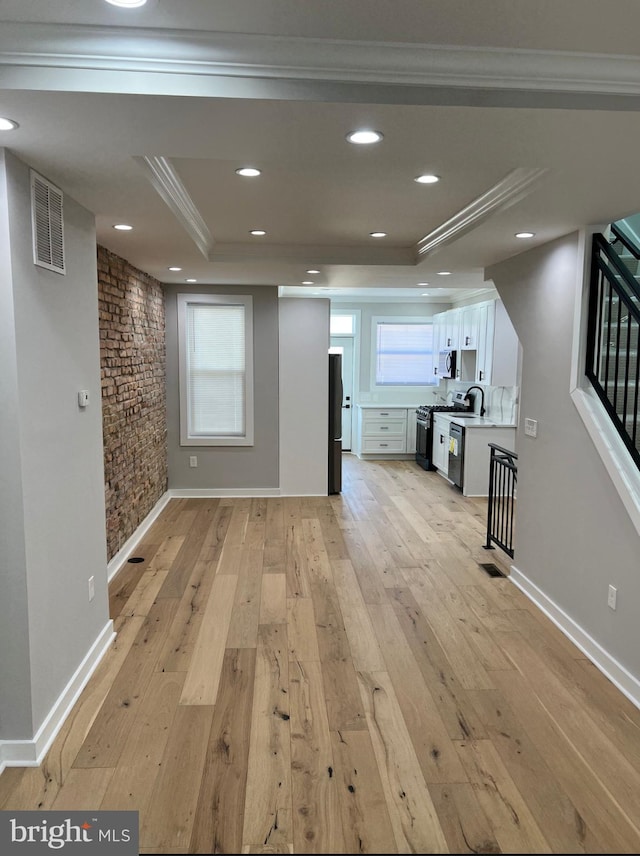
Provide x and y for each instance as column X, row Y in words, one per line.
column 47, row 222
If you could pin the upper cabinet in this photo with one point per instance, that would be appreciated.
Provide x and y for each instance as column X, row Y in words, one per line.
column 469, row 325
column 487, row 342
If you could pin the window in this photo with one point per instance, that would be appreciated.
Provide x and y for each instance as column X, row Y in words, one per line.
column 215, row 333
column 403, row 352
column 342, row 325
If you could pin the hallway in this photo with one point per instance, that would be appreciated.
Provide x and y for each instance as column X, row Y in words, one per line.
column 339, row 675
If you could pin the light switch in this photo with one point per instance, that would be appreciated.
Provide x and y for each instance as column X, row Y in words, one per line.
column 83, row 398
column 531, row 427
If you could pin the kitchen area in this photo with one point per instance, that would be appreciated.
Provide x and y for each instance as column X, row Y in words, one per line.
column 471, row 401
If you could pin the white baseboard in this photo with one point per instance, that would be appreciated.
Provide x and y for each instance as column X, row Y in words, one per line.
column 214, row 492
column 116, row 563
column 627, row 683
column 29, row 753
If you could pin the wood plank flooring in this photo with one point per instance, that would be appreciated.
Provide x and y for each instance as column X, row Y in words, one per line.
column 339, row 675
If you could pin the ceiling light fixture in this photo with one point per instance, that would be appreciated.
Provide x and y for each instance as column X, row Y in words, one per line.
column 312, row 270
column 422, row 284
column 364, row 137
column 7, row 124
column 427, row 179
column 307, row 282
column 257, row 232
column 525, row 234
column 444, row 273
column 425, row 294
column 191, row 280
column 175, row 268
column 249, row 171
column 123, row 227
column 378, row 234
column 127, row 4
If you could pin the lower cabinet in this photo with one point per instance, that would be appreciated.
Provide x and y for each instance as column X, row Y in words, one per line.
column 440, row 457
column 385, row 431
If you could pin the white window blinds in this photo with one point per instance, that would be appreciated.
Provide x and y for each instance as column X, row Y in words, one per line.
column 216, row 370
column 403, row 354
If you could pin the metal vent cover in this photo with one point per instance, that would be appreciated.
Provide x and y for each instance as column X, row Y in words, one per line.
column 48, row 224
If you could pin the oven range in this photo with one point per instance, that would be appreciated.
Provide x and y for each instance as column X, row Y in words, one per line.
column 424, row 428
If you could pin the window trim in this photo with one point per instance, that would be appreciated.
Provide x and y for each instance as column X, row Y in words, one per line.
column 394, row 319
column 184, row 300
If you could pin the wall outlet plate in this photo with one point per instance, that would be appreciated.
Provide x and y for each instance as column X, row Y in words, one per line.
column 612, row 597
column 531, row 427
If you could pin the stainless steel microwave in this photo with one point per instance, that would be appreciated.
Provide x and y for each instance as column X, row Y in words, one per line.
column 447, row 360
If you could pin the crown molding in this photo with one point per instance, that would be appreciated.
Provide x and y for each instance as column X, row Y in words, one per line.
column 169, row 186
column 509, row 190
column 93, row 58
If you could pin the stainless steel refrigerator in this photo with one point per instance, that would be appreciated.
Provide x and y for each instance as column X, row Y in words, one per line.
column 335, row 423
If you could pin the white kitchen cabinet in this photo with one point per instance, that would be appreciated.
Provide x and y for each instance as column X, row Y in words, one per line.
column 451, row 329
column 498, row 346
column 385, row 432
column 411, row 431
column 438, row 339
column 485, row 339
column 440, row 456
column 469, row 328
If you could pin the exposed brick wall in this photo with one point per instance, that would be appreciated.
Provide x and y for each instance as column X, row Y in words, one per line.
column 132, row 357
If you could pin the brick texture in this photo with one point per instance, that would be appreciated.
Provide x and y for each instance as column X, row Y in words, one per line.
column 133, row 369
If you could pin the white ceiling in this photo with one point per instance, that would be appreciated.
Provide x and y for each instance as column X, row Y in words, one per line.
column 477, row 93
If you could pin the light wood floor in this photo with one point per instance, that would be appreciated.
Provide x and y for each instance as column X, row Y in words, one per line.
column 331, row 675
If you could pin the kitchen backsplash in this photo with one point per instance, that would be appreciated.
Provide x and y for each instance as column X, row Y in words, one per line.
column 500, row 402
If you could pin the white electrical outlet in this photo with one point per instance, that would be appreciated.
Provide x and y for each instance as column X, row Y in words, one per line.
column 531, row 427
column 612, row 597
column 193, row 461
column 92, row 588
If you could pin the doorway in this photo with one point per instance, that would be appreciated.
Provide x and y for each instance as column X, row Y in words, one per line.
column 344, row 345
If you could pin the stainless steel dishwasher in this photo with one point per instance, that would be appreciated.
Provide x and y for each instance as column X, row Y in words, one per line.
column 456, row 454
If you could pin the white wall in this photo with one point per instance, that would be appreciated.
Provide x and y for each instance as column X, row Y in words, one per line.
column 304, row 390
column 367, row 392
column 574, row 536
column 60, row 541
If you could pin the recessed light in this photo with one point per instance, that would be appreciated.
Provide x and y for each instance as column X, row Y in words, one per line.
column 525, row 234
column 307, row 282
column 425, row 294
column 444, row 273
column 257, row 232
column 175, row 268
column 427, row 179
column 127, row 4
column 312, row 270
column 7, row 124
column 422, row 284
column 364, row 137
column 123, row 227
column 378, row 234
column 191, row 280
column 249, row 171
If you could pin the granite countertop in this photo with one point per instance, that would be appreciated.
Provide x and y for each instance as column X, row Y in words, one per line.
column 476, row 421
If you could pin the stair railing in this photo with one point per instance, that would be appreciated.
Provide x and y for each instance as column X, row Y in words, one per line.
column 503, row 477
column 613, row 336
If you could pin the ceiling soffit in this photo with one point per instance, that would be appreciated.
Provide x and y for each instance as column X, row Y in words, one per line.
column 168, row 184
column 213, row 64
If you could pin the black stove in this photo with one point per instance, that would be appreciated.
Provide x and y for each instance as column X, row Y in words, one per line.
column 424, row 427
column 425, row 409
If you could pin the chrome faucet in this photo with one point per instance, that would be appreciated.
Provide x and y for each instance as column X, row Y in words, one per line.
column 482, row 410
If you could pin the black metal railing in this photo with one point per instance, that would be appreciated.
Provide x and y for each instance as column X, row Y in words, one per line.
column 613, row 334
column 503, row 477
